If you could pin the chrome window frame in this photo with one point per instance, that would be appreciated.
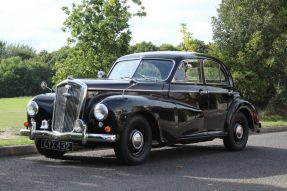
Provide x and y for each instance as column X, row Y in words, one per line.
column 140, row 60
column 173, row 81
column 221, row 68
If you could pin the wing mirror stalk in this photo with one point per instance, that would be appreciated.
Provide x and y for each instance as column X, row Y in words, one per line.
column 45, row 86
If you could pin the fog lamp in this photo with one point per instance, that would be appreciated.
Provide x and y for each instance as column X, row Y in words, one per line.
column 79, row 126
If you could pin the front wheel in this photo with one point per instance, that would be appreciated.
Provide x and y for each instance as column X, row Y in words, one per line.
column 135, row 142
column 47, row 152
column 238, row 131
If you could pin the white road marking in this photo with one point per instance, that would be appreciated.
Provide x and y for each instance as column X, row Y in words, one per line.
column 278, row 180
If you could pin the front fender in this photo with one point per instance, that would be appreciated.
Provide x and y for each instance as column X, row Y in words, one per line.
column 46, row 106
column 124, row 107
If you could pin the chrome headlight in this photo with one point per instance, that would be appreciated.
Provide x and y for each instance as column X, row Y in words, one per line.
column 101, row 112
column 32, row 108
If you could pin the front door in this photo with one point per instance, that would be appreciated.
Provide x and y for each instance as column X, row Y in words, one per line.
column 190, row 96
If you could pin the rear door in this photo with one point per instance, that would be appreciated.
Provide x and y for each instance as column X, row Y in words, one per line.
column 219, row 94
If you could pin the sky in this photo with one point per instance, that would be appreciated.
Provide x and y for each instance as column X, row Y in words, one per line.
column 38, row 23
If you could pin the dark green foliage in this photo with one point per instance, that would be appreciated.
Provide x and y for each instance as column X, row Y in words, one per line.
column 2, row 50
column 251, row 36
column 143, row 47
column 22, row 70
column 167, row 47
column 22, row 77
column 201, row 47
column 11, row 50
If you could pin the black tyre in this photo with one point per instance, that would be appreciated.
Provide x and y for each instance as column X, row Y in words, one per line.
column 238, row 132
column 47, row 152
column 135, row 141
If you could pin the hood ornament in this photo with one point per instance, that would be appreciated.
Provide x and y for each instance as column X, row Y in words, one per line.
column 67, row 94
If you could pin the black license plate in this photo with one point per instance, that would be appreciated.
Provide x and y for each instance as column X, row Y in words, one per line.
column 56, row 145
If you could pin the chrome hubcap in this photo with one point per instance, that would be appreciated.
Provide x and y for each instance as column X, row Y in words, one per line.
column 137, row 139
column 238, row 131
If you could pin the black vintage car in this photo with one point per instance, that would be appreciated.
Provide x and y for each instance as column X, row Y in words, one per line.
column 161, row 98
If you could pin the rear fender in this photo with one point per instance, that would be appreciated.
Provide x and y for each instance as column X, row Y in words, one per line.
column 240, row 105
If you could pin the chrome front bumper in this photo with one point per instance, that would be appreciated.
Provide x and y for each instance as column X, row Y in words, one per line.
column 72, row 136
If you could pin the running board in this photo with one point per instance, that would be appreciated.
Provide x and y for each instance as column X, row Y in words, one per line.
column 207, row 134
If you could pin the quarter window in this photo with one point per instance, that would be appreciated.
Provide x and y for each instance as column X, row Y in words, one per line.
column 213, row 73
column 189, row 71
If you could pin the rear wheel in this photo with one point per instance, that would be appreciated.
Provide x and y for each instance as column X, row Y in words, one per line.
column 135, row 141
column 47, row 152
column 237, row 133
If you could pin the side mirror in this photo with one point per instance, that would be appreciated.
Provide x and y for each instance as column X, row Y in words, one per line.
column 132, row 82
column 45, row 86
column 101, row 74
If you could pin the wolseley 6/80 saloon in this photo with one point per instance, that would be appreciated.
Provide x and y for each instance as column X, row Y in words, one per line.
column 161, row 98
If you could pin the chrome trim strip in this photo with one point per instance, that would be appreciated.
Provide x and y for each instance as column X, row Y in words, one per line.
column 141, row 90
column 207, row 133
column 69, row 136
column 25, row 132
column 133, row 90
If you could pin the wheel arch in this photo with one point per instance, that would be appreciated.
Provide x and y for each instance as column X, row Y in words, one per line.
column 156, row 133
column 248, row 116
column 244, row 107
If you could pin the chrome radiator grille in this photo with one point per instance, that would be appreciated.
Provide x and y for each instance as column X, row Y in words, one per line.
column 69, row 100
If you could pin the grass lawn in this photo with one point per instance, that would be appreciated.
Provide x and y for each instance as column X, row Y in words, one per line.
column 274, row 123
column 13, row 112
column 12, row 116
column 16, row 140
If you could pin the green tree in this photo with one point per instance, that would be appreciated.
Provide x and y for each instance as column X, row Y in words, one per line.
column 100, row 33
column 2, row 50
column 251, row 35
column 53, row 57
column 23, row 51
column 188, row 42
column 143, row 47
column 191, row 44
column 22, row 77
column 167, row 47
column 14, row 50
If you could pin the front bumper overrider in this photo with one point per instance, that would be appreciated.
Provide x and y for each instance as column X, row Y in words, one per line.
column 85, row 137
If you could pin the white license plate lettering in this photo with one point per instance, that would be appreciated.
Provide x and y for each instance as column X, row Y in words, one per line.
column 56, row 145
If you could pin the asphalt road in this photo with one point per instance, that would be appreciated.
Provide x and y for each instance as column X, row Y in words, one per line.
column 205, row 166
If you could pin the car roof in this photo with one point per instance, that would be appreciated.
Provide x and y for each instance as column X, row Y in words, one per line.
column 172, row 55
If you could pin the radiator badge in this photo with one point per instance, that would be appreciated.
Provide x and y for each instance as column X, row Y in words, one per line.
column 67, row 94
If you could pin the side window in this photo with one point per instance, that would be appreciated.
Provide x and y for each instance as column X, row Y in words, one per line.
column 188, row 71
column 213, row 73
column 148, row 69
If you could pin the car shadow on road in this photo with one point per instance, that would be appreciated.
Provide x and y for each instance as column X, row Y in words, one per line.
column 255, row 168
column 198, row 157
column 212, row 164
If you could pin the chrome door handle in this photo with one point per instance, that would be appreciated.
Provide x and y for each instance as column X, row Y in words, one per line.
column 202, row 92
column 231, row 92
